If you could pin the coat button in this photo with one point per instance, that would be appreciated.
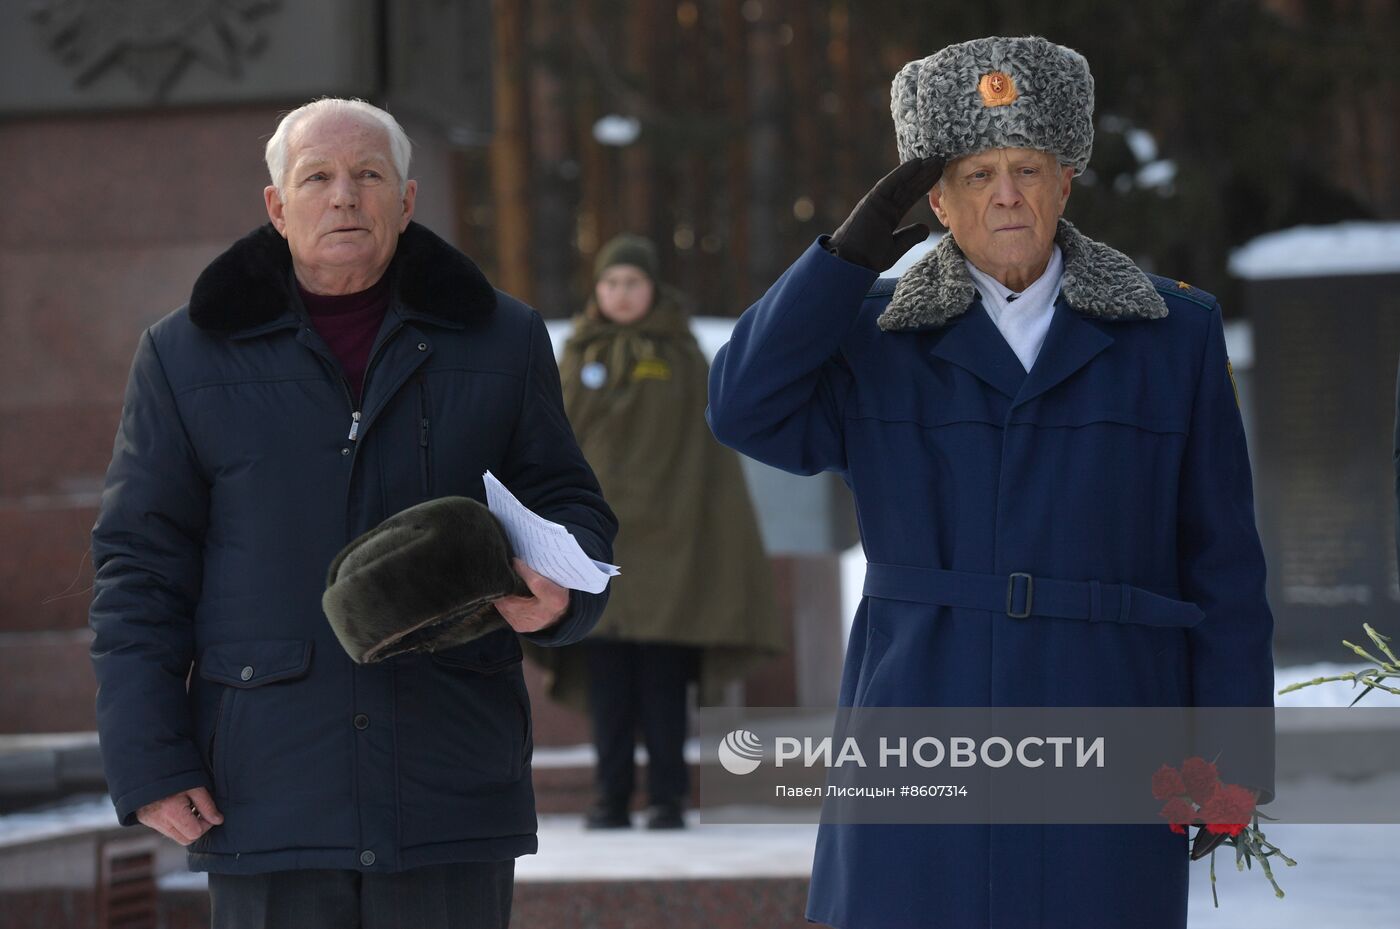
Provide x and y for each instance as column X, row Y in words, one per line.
column 422, row 346
column 345, row 451
column 366, row 858
column 246, row 673
column 361, row 721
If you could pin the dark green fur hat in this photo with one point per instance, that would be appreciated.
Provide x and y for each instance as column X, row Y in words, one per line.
column 424, row 579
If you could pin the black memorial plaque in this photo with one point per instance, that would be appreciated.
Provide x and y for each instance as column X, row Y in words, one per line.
column 1324, row 380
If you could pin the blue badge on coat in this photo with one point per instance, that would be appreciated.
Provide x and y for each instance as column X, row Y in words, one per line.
column 594, row 375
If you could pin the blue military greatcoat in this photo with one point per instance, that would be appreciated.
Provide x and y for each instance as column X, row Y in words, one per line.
column 1114, row 473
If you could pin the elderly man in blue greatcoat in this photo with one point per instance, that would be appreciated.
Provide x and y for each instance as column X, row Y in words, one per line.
column 1049, row 467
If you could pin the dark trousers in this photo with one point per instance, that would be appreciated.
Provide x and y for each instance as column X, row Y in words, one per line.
column 640, row 682
column 471, row 895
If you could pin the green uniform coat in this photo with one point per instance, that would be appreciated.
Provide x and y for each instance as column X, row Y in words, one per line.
column 694, row 570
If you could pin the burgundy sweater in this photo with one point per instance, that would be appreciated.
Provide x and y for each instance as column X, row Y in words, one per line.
column 349, row 323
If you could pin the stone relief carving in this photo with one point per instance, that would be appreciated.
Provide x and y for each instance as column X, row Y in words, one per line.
column 154, row 41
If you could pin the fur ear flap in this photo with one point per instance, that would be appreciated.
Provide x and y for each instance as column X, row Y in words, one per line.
column 424, row 579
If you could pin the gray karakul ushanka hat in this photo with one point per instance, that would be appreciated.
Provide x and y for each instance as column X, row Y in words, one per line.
column 425, row 579
column 996, row 92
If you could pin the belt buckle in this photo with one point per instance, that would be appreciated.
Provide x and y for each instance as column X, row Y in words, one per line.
column 1011, row 590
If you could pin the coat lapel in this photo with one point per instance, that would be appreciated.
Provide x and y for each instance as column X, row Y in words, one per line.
column 974, row 343
column 1071, row 343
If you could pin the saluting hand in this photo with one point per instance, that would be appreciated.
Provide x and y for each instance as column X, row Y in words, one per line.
column 868, row 237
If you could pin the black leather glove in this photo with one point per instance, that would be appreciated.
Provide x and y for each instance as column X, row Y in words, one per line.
column 868, row 237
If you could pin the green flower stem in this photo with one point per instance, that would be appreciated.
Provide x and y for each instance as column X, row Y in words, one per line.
column 1264, row 863
column 1275, row 850
column 1371, row 677
column 1381, row 641
column 1362, row 652
column 1299, row 685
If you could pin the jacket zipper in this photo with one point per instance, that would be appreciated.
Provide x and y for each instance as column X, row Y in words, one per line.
column 336, row 375
column 369, row 368
column 345, row 385
column 423, row 408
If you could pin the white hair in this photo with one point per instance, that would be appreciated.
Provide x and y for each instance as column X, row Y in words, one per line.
column 400, row 148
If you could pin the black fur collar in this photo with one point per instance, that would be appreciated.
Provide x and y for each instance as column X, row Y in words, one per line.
column 249, row 284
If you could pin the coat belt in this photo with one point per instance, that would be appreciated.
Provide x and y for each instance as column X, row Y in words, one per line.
column 1021, row 595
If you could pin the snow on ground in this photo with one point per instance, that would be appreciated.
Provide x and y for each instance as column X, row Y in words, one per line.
column 1344, row 877
column 585, row 756
column 569, row 852
column 1345, row 874
column 1318, row 251
column 73, row 815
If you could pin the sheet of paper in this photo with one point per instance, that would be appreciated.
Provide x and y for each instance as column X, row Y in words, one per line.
column 546, row 546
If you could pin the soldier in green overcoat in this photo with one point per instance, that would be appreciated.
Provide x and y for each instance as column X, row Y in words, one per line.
column 695, row 597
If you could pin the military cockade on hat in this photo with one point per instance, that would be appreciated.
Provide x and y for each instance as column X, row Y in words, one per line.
column 996, row 92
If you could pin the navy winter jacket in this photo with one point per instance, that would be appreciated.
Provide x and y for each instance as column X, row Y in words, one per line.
column 235, row 480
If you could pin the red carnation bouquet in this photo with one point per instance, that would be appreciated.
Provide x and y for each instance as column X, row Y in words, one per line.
column 1226, row 813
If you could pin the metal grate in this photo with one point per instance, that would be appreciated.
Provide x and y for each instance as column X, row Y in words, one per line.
column 126, row 883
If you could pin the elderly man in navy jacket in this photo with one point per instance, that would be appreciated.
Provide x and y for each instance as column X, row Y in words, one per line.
column 331, row 369
column 1049, row 467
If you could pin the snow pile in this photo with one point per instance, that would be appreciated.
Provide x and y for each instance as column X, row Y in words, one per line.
column 74, row 815
column 1320, row 251
column 710, row 331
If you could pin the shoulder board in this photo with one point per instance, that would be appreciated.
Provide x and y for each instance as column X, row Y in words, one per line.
column 1171, row 287
column 884, row 287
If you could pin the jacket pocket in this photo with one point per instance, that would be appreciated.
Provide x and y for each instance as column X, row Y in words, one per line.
column 486, row 655
column 240, row 669
column 485, row 701
column 245, row 665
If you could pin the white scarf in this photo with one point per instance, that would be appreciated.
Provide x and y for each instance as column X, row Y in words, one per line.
column 1024, row 318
